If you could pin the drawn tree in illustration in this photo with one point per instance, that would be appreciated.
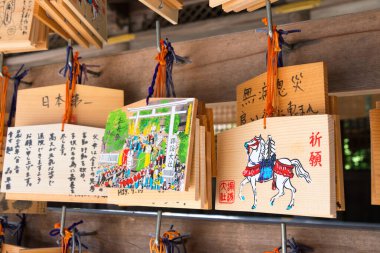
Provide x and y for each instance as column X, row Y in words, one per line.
column 183, row 146
column 116, row 131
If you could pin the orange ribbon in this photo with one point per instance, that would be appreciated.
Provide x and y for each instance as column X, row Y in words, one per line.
column 276, row 250
column 160, row 90
column 70, row 92
column 272, row 71
column 1, row 230
column 65, row 239
column 4, row 88
column 154, row 248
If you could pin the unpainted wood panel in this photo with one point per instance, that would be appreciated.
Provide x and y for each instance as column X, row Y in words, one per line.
column 220, row 63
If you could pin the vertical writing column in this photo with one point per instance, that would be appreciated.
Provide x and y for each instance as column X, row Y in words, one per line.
column 93, row 158
column 40, row 146
column 8, row 171
column 83, row 156
column 28, row 165
column 73, row 165
column 51, row 158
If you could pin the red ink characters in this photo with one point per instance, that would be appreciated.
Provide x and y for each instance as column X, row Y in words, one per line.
column 315, row 156
column 315, row 159
column 315, row 139
column 227, row 192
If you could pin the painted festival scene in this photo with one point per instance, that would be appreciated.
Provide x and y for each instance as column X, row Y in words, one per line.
column 147, row 146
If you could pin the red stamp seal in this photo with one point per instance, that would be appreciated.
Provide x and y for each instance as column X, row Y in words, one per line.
column 227, row 192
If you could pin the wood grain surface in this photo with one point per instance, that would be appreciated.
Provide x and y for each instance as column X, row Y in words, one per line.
column 222, row 62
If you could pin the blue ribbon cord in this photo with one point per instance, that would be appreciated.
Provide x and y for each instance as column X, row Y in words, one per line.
column 170, row 58
column 56, row 232
column 281, row 41
column 84, row 70
column 17, row 79
column 15, row 229
column 151, row 87
column 293, row 247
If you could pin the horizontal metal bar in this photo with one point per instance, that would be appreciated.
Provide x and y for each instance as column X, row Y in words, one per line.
column 296, row 221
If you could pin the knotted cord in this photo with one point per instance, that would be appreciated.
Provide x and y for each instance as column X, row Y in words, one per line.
column 16, row 229
column 84, row 71
column 274, row 59
column 171, row 241
column 71, row 82
column 154, row 248
column 292, row 247
column 4, row 88
column 162, row 84
column 69, row 236
column 17, row 80
column 272, row 68
column 170, row 59
column 159, row 76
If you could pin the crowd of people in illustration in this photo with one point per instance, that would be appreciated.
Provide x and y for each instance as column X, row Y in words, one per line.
column 141, row 164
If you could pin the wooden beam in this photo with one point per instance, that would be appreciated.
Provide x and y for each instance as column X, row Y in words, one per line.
column 166, row 11
column 77, row 23
column 185, row 32
column 61, row 20
column 348, row 7
column 96, row 24
column 41, row 15
column 221, row 63
column 177, row 4
column 214, row 3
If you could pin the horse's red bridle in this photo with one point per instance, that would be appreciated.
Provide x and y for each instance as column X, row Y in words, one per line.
column 255, row 144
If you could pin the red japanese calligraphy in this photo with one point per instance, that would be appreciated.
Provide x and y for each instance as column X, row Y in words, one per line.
column 315, row 139
column 227, row 192
column 316, row 159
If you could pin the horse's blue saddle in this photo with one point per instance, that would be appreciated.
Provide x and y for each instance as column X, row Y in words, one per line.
column 266, row 169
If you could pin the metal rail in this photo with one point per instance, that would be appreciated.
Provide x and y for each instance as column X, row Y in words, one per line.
column 295, row 221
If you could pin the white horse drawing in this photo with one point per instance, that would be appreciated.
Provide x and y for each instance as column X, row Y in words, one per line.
column 258, row 150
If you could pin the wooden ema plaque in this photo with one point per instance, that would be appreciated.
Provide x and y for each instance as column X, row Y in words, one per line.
column 149, row 146
column 61, row 20
column 42, row 16
column 8, row 248
column 92, row 15
column 374, row 116
column 168, row 9
column 239, row 5
column 198, row 195
column 77, row 22
column 339, row 173
column 20, row 31
column 46, row 105
column 287, row 168
column 302, row 90
column 15, row 13
column 44, row 160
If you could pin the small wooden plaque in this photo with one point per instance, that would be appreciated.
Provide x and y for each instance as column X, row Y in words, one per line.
column 301, row 160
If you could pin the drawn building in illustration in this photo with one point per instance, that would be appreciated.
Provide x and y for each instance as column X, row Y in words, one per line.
column 147, row 146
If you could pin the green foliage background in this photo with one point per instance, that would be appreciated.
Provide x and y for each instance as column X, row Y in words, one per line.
column 183, row 146
column 116, row 131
